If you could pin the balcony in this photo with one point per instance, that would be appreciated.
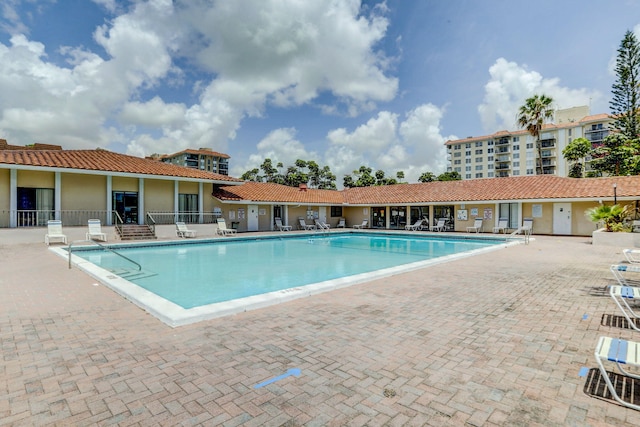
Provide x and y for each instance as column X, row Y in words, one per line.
column 505, row 149
column 503, row 166
column 548, row 143
column 548, row 153
column 547, row 162
column 596, row 136
column 502, row 141
column 502, row 174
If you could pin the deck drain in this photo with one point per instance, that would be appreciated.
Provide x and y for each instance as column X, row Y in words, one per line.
column 389, row 392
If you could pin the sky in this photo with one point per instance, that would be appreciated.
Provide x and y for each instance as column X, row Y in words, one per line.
column 345, row 83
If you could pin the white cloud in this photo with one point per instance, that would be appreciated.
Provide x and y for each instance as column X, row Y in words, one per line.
column 155, row 113
column 511, row 84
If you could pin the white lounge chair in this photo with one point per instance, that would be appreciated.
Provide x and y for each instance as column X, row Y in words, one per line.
column 282, row 227
column 183, row 231
column 415, row 226
column 632, row 255
column 476, row 227
column 54, row 232
column 618, row 269
column 503, row 224
column 440, row 225
column 95, row 231
column 222, row 228
column 527, row 226
column 622, row 295
column 304, row 226
column 322, row 225
column 365, row 224
column 622, row 352
column 342, row 223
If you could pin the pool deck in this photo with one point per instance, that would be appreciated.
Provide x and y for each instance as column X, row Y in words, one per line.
column 504, row 338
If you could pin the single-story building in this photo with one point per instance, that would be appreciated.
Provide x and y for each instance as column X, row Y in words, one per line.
column 74, row 185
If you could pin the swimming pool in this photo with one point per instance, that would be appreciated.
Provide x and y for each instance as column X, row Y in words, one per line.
column 182, row 282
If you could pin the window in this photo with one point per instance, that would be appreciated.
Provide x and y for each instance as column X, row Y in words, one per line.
column 516, row 148
column 336, row 211
column 490, row 142
column 516, row 155
column 456, row 147
column 516, row 172
column 490, row 159
column 529, row 145
column 467, row 176
column 489, row 150
column 467, row 168
column 529, row 171
column 188, row 208
column 467, row 145
column 490, row 175
column 35, row 206
column 478, row 167
column 516, row 164
column 467, row 160
column 458, row 154
column 467, row 153
column 516, row 138
column 570, row 132
column 457, row 169
column 478, row 159
column 478, row 151
column 457, row 162
column 479, row 144
column 479, row 175
column 490, row 166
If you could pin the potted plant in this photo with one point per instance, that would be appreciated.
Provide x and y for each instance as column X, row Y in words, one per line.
column 613, row 217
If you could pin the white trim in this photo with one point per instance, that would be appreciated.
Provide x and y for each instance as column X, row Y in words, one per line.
column 57, row 195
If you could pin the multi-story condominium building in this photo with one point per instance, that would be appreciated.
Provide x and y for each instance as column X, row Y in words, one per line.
column 203, row 159
column 514, row 153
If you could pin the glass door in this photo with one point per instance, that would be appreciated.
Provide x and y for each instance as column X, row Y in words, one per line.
column 126, row 204
column 378, row 219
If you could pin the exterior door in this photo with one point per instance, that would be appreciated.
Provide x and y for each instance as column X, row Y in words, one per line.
column 322, row 214
column 252, row 218
column 562, row 218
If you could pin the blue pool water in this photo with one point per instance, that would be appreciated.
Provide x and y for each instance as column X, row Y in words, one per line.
column 196, row 274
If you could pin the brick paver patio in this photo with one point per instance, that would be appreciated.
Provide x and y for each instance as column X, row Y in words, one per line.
column 499, row 339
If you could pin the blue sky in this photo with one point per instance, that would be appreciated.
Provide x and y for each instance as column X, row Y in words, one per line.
column 345, row 83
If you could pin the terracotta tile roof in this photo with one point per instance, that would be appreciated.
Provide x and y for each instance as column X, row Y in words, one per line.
column 37, row 146
column 269, row 192
column 103, row 160
column 491, row 189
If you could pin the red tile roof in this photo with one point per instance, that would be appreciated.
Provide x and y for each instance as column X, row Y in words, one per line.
column 269, row 192
column 201, row 151
column 538, row 187
column 103, row 160
column 37, row 146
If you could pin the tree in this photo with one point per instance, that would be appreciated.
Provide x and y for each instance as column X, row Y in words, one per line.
column 613, row 217
column 427, row 177
column 625, row 103
column 302, row 172
column 400, row 175
column 449, row 176
column 616, row 156
column 575, row 152
column 532, row 116
column 252, row 175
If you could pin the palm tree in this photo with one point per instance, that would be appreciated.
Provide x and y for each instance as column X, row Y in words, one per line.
column 532, row 116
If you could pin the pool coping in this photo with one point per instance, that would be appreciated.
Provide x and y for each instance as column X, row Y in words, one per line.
column 174, row 315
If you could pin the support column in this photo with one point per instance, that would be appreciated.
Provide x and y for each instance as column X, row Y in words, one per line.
column 13, row 198
column 176, row 200
column 57, row 195
column 109, row 200
column 141, row 212
column 200, row 203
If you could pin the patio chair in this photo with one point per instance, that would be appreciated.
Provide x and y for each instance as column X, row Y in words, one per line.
column 322, row 225
column 365, row 224
column 95, row 231
column 503, row 224
column 618, row 269
column 622, row 295
column 282, row 227
column 415, row 226
column 54, row 232
column 527, row 226
column 632, row 255
column 222, row 228
column 183, row 231
column 341, row 223
column 622, row 352
column 477, row 226
column 302, row 225
column 440, row 225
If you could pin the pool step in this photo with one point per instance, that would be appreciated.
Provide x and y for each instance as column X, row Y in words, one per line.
column 135, row 232
column 132, row 274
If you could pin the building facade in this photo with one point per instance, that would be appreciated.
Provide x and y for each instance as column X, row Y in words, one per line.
column 204, row 159
column 513, row 153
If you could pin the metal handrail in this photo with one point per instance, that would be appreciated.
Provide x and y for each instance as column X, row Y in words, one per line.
column 118, row 222
column 151, row 223
column 103, row 247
